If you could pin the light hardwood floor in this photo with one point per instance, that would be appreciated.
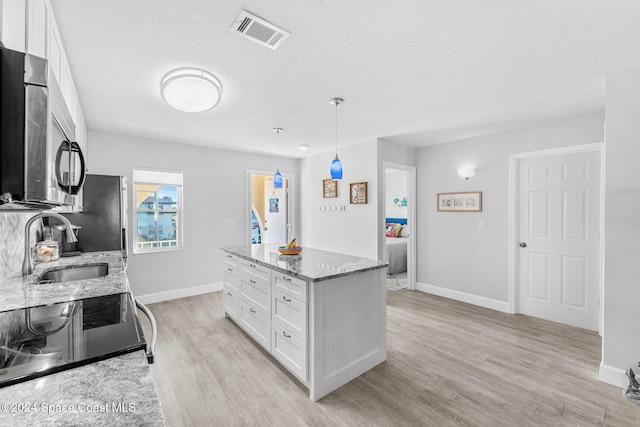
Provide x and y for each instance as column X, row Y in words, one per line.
column 449, row 363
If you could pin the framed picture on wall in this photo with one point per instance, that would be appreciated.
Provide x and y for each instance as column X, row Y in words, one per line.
column 460, row 202
column 358, row 191
column 329, row 188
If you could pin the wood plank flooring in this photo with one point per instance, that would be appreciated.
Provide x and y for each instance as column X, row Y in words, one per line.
column 449, row 363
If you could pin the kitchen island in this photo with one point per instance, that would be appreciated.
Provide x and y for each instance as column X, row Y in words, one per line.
column 114, row 391
column 321, row 314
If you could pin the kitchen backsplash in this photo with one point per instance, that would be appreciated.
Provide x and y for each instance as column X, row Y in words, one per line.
column 12, row 241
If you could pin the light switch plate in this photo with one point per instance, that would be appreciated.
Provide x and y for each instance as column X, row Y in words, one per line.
column 482, row 224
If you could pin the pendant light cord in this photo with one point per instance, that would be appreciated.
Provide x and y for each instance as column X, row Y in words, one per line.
column 337, row 128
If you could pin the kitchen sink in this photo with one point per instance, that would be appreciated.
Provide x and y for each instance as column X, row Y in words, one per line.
column 70, row 273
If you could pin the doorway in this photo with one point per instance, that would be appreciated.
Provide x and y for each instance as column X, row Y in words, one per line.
column 269, row 210
column 399, row 207
column 557, row 254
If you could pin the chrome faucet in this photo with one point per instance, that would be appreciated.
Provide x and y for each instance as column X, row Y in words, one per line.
column 27, row 265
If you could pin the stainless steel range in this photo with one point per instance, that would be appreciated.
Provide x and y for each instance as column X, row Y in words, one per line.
column 42, row 340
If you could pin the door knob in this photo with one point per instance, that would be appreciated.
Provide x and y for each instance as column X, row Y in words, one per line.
column 523, row 245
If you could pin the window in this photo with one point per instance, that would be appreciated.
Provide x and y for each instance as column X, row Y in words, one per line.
column 157, row 211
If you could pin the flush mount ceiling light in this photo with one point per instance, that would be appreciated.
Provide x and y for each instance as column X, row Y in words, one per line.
column 191, row 90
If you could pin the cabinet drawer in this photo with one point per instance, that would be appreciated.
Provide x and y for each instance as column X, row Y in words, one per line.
column 290, row 351
column 231, row 301
column 255, row 271
column 232, row 278
column 289, row 285
column 289, row 313
column 231, row 260
column 256, row 294
column 255, row 324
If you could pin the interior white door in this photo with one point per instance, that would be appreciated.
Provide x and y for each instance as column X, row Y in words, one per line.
column 559, row 207
column 275, row 213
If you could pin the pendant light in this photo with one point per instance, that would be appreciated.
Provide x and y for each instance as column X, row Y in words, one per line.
column 336, row 165
column 277, row 178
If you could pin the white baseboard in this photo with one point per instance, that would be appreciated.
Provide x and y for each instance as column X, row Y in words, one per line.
column 464, row 297
column 179, row 293
column 613, row 376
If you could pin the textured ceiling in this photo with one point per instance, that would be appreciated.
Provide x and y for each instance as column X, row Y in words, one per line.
column 419, row 72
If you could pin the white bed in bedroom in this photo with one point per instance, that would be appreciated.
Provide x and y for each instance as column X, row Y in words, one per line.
column 396, row 239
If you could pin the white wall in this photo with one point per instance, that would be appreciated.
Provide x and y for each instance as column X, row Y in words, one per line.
column 453, row 254
column 355, row 230
column 214, row 189
column 621, row 328
column 396, row 188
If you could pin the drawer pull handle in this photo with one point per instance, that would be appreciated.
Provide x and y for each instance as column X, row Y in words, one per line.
column 229, row 269
column 288, row 279
column 229, row 293
column 286, row 335
column 252, row 265
column 252, row 310
column 229, row 256
column 252, row 281
column 286, row 299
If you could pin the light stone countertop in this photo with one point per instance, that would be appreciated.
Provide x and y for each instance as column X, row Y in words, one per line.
column 19, row 291
column 118, row 391
column 312, row 265
column 114, row 392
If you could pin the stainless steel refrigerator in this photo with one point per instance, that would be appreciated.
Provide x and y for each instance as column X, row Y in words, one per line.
column 104, row 217
column 104, row 226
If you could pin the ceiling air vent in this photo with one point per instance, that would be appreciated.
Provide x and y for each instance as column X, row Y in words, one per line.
column 259, row 30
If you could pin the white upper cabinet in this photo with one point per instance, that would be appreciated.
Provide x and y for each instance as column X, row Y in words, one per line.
column 37, row 23
column 13, row 24
column 30, row 26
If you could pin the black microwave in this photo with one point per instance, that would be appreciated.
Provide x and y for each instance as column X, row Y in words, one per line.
column 39, row 161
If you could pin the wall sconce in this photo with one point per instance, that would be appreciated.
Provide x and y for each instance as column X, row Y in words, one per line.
column 466, row 173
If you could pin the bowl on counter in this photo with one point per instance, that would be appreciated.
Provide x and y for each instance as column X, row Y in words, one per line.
column 289, row 251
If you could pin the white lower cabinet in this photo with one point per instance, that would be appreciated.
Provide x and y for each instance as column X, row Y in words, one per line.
column 231, row 301
column 326, row 331
column 256, row 294
column 289, row 313
column 290, row 351
column 272, row 308
column 255, row 324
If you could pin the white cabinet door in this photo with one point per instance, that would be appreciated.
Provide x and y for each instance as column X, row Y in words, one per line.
column 13, row 25
column 290, row 351
column 255, row 324
column 289, row 285
column 257, row 294
column 289, row 313
column 37, row 27
column 55, row 52
column 257, row 272
column 231, row 301
column 232, row 278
